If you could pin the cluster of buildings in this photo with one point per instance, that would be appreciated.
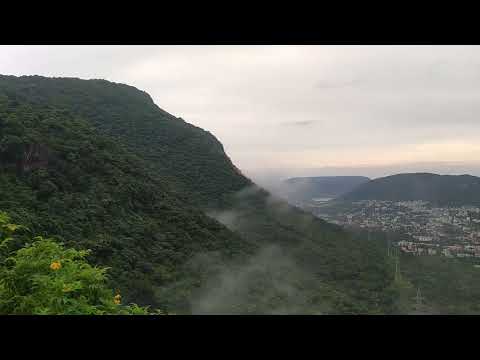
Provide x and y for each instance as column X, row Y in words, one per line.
column 425, row 229
column 415, row 248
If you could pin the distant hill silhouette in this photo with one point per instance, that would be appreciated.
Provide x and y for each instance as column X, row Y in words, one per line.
column 438, row 189
column 306, row 188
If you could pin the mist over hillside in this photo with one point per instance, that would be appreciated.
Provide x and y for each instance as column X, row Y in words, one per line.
column 308, row 188
column 98, row 165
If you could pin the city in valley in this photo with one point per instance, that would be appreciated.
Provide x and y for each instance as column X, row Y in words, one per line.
column 425, row 229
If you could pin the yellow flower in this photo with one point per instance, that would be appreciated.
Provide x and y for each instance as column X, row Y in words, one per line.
column 117, row 298
column 55, row 265
column 12, row 227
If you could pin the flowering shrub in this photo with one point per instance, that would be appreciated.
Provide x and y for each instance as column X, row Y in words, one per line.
column 44, row 277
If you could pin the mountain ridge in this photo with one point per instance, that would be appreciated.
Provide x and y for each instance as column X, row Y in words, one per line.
column 438, row 189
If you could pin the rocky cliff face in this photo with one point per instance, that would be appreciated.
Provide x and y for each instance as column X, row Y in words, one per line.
column 34, row 156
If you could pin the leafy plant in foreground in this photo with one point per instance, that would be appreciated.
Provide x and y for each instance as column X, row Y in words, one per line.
column 44, row 277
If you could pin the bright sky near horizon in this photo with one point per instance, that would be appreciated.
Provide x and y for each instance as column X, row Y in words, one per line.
column 300, row 110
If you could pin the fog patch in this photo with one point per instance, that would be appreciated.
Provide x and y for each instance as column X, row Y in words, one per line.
column 228, row 217
column 266, row 284
column 269, row 281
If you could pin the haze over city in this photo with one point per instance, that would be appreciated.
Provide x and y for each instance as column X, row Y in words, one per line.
column 300, row 110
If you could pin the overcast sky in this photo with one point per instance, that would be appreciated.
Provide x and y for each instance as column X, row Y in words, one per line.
column 300, row 110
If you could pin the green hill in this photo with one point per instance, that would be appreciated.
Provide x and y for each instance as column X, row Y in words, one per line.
column 100, row 166
column 438, row 189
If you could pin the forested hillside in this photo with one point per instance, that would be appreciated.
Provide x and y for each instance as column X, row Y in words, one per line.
column 99, row 166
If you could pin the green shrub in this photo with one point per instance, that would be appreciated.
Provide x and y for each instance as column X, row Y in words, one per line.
column 44, row 277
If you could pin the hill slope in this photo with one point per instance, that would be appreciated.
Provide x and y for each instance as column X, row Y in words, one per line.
column 189, row 156
column 99, row 165
column 438, row 189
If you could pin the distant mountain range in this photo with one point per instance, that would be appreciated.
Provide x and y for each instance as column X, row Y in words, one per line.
column 438, row 189
column 306, row 188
